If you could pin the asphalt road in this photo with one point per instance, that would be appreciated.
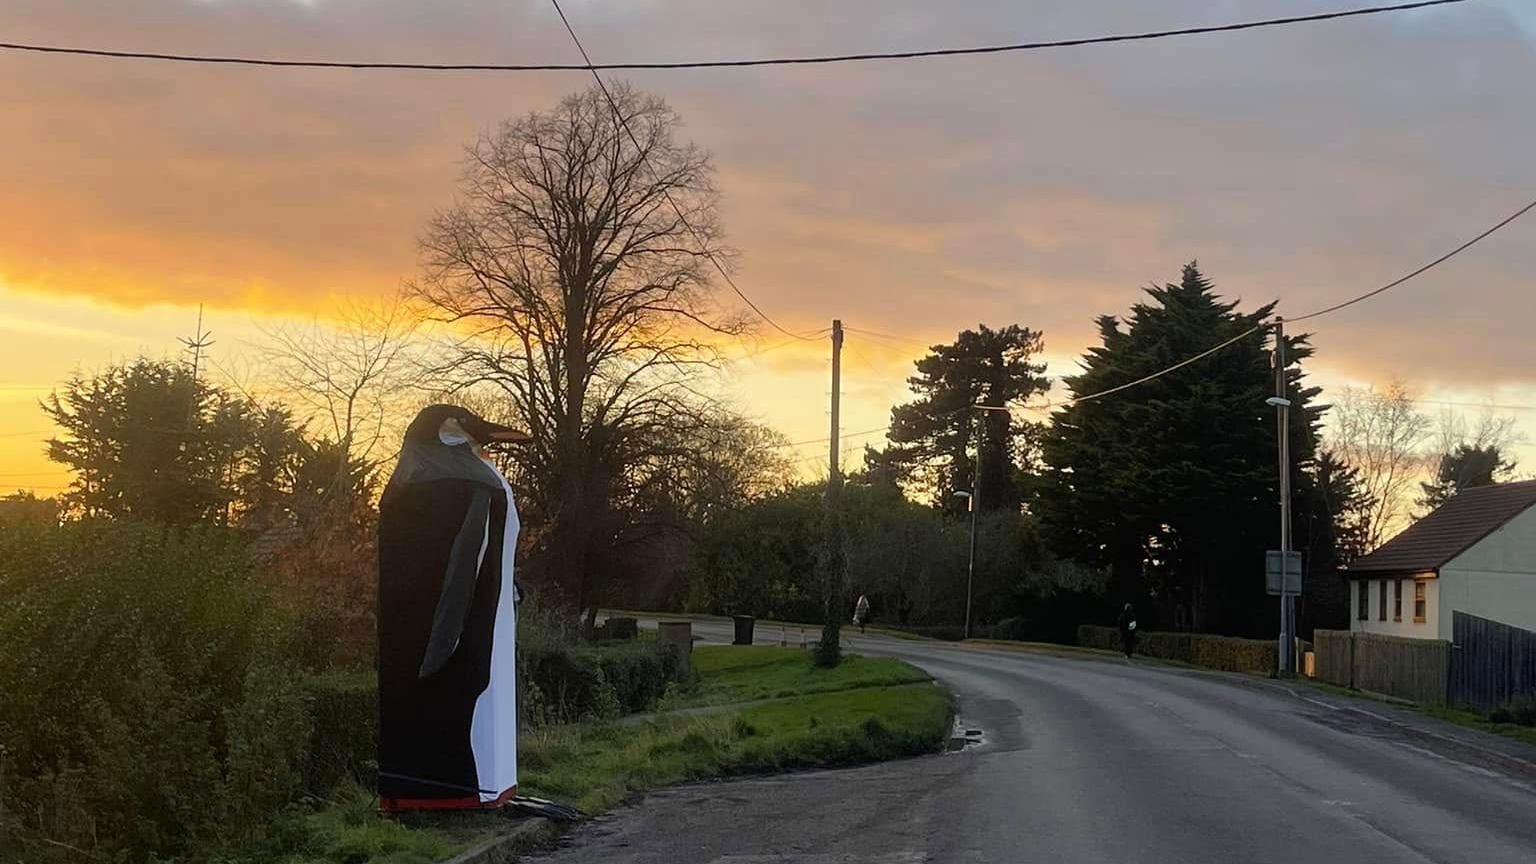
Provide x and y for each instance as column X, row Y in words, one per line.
column 1088, row 760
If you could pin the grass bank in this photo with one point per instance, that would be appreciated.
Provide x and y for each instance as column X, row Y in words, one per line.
column 748, row 673
column 1460, row 717
column 862, row 711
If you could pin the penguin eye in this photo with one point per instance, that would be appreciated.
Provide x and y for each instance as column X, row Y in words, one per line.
column 451, row 433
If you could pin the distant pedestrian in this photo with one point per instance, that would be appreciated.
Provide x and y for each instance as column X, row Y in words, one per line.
column 861, row 612
column 1127, row 625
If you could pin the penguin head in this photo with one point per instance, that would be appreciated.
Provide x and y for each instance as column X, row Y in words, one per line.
column 452, row 425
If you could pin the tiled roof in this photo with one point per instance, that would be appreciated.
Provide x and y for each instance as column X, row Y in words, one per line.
column 1455, row 527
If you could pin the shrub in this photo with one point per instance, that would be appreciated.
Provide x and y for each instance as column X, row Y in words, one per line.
column 344, row 730
column 1095, row 636
column 1227, row 653
column 1231, row 654
column 147, row 708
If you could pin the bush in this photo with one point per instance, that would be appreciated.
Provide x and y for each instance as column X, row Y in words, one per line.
column 344, row 723
column 1227, row 653
column 148, row 708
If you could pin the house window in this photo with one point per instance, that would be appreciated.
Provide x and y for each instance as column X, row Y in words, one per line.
column 1381, row 602
column 1363, row 600
column 1397, row 599
column 1418, row 602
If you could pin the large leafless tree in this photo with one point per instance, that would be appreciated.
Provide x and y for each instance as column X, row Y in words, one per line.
column 574, row 267
column 1380, row 434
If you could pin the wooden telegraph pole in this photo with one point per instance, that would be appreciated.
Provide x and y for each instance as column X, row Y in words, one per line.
column 829, row 649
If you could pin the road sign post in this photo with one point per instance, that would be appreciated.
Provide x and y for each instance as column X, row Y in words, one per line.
column 1282, row 579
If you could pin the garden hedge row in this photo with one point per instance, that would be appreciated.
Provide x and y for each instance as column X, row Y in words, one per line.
column 559, row 684
column 1227, row 653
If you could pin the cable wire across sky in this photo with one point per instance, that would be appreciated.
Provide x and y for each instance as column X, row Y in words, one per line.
column 697, row 238
column 918, row 54
column 1485, row 234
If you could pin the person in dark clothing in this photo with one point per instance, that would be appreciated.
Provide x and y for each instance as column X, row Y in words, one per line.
column 1127, row 625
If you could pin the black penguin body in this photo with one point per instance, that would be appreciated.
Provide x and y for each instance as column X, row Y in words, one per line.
column 446, row 623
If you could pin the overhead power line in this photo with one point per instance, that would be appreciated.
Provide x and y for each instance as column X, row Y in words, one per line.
column 1427, row 267
column 1263, row 327
column 697, row 238
column 924, row 344
column 117, row 54
column 1319, row 313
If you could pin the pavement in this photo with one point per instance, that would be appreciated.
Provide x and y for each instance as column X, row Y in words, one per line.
column 1099, row 760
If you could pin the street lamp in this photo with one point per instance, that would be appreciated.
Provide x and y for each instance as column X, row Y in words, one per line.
column 973, row 500
column 1282, row 406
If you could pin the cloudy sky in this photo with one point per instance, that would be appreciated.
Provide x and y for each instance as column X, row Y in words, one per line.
column 1301, row 164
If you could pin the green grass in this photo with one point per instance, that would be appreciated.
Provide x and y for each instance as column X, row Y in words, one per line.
column 864, row 710
column 747, row 673
column 768, row 629
column 349, row 829
column 1469, row 719
column 598, row 766
column 1480, row 721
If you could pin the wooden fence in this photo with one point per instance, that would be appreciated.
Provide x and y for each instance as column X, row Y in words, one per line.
column 1412, row 669
column 1334, row 653
column 1493, row 663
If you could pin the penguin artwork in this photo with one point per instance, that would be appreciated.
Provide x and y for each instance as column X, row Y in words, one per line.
column 447, row 619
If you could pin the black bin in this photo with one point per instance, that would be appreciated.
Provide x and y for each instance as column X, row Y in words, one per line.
column 743, row 629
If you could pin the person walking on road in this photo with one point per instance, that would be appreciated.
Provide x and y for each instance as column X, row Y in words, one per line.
column 1127, row 625
column 861, row 612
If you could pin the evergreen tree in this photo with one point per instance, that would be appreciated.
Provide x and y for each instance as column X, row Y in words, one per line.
column 934, row 435
column 1466, row 467
column 1331, row 533
column 148, row 440
column 1172, row 484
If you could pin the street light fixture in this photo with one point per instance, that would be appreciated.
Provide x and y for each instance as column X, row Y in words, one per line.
column 973, row 500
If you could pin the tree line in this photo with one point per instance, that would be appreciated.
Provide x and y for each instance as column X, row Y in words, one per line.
column 568, row 290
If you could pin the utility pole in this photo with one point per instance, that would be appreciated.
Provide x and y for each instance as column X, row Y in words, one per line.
column 975, row 501
column 834, row 479
column 973, row 497
column 1282, row 405
column 829, row 650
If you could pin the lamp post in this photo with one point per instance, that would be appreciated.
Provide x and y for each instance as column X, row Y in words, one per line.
column 973, row 500
column 1282, row 405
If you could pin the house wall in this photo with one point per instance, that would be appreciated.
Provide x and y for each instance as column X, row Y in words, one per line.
column 1429, row 629
column 1495, row 578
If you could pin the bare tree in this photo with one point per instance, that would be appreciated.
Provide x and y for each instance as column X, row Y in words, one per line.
column 1489, row 429
column 1380, row 433
column 575, row 266
column 348, row 375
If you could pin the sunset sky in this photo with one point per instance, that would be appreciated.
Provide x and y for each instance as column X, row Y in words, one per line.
column 1303, row 164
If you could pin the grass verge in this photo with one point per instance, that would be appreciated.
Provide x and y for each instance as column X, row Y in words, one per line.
column 865, row 709
column 597, row 766
column 1468, row 719
column 350, row 829
column 748, row 673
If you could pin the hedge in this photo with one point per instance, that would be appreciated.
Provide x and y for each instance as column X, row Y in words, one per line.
column 1227, row 653
column 344, row 730
column 559, row 684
